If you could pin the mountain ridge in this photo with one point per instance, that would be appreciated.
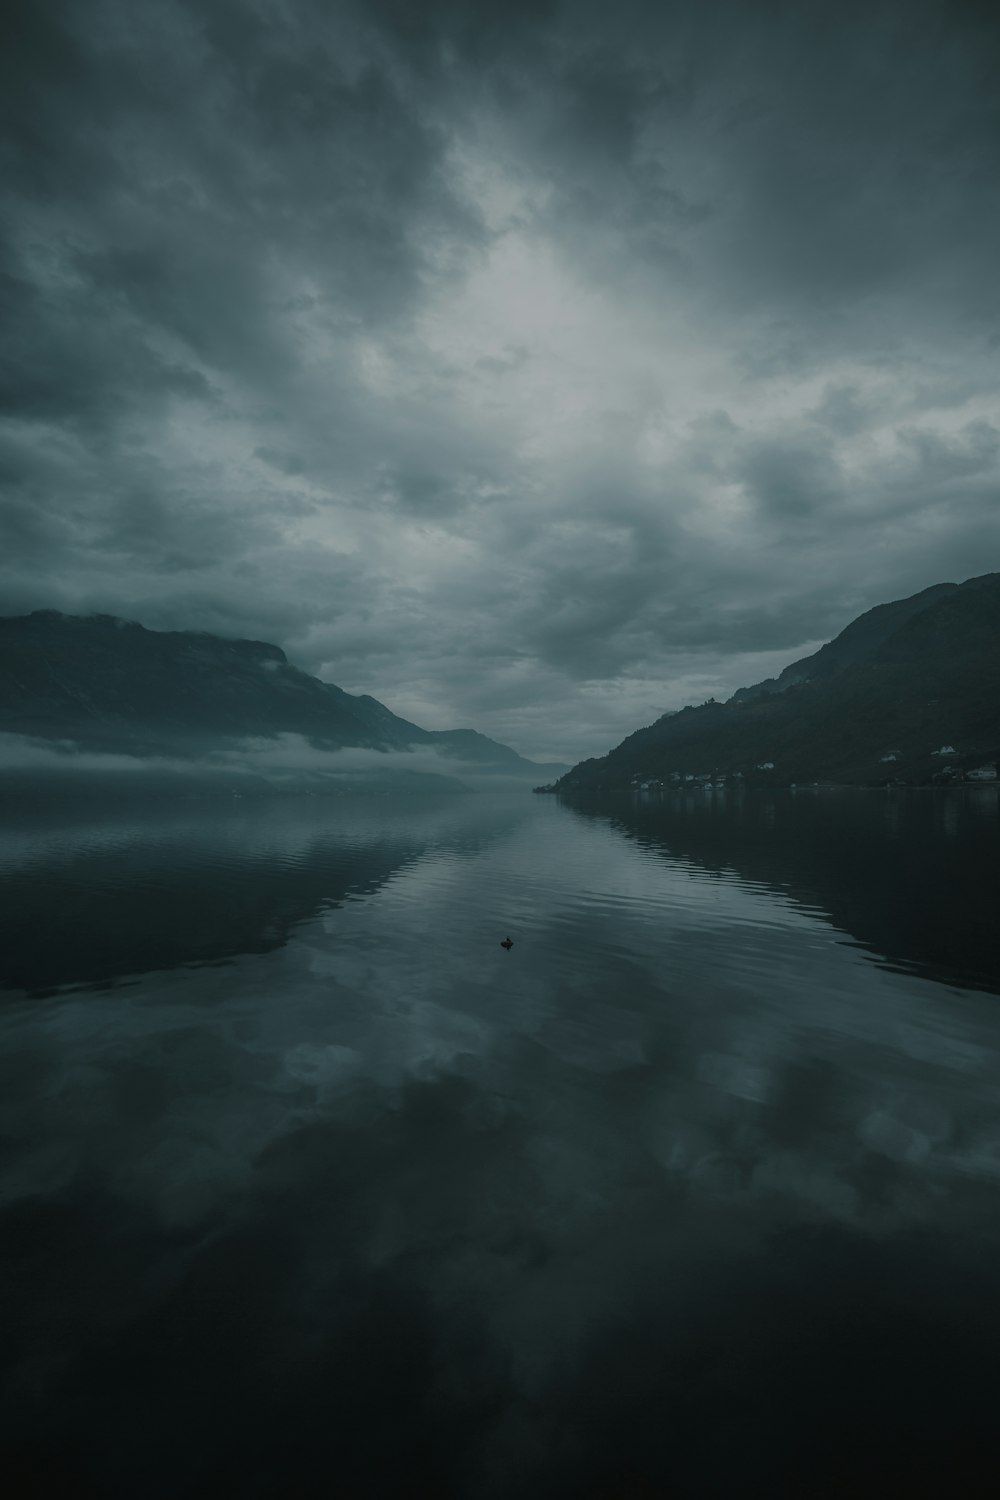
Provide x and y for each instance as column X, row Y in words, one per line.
column 918, row 703
column 855, row 643
column 112, row 685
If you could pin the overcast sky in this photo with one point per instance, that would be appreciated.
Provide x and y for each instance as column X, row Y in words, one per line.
column 534, row 367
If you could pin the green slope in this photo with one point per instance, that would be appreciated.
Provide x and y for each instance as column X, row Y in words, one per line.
column 934, row 681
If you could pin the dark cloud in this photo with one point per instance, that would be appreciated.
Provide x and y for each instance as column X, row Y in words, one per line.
column 791, row 479
column 843, row 410
column 836, row 155
column 536, row 367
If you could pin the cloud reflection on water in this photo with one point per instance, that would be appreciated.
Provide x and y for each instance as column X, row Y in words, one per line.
column 386, row 1169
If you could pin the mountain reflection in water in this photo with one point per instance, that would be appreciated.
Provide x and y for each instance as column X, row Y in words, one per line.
column 309, row 1188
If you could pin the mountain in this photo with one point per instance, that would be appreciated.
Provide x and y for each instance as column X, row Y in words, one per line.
column 909, row 693
column 110, row 685
column 857, row 643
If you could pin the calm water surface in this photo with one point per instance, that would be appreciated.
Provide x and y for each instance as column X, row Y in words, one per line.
column 308, row 1187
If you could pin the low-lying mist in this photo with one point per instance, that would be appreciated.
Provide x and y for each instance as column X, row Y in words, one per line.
column 288, row 764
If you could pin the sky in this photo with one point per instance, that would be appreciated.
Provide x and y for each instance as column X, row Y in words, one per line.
column 534, row 367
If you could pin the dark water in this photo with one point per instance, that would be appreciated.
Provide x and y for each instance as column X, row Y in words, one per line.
column 308, row 1188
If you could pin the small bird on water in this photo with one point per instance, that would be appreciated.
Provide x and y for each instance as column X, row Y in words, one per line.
column 507, row 943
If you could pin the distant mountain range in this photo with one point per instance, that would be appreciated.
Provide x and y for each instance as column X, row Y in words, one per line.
column 111, row 686
column 908, row 693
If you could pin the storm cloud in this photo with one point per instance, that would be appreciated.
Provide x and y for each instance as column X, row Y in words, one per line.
column 536, row 368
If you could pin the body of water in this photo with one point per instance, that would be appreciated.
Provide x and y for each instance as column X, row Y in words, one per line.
column 308, row 1187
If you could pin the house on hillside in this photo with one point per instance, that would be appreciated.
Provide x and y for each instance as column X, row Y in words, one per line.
column 982, row 773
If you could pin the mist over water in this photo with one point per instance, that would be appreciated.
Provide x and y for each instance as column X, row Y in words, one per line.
column 308, row 1187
